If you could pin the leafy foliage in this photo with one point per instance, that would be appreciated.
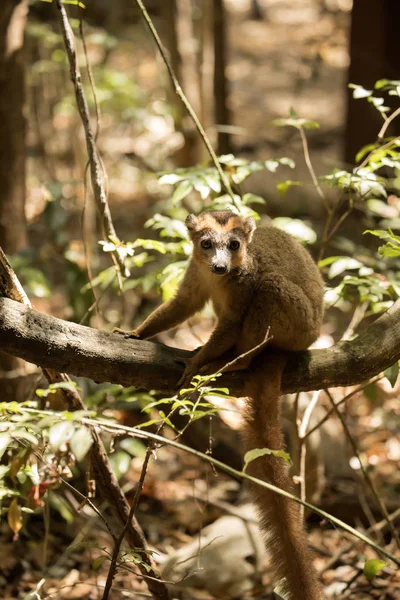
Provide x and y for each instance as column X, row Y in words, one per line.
column 36, row 448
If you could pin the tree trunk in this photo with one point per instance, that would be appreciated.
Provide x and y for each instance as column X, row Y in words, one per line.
column 222, row 112
column 13, row 14
column 12, row 126
column 373, row 55
column 180, row 40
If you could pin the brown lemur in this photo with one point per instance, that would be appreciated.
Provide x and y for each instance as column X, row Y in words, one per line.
column 258, row 280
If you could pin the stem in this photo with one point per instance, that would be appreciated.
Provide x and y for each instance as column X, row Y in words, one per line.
column 347, row 397
column 310, row 168
column 134, row 432
column 96, row 171
column 302, row 436
column 240, row 474
column 118, row 542
column 188, row 106
column 364, row 471
column 387, row 122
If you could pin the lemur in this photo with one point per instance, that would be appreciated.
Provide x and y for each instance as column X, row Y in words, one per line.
column 258, row 280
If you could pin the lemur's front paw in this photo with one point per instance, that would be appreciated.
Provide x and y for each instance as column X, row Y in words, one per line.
column 127, row 334
column 193, row 368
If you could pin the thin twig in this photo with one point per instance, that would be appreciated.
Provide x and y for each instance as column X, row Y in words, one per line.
column 387, row 122
column 252, row 353
column 365, row 473
column 178, row 89
column 88, row 501
column 118, row 542
column 356, row 319
column 302, row 450
column 376, row 527
column 310, row 168
column 134, row 432
column 383, row 147
column 330, row 412
column 155, row 438
column 99, row 188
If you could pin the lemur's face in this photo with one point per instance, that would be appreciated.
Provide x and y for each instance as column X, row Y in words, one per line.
column 220, row 239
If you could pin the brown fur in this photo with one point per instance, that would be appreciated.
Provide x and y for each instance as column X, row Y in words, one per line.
column 269, row 281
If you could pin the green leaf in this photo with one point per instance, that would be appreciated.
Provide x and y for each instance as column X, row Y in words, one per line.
column 344, row 263
column 23, row 434
column 134, row 447
column 284, row 186
column 169, row 178
column 96, row 564
column 81, row 442
column 252, row 199
column 182, row 190
column 380, row 233
column 259, row 452
column 373, row 567
column 289, row 162
column 120, row 462
column 359, row 91
column 386, row 83
column 296, row 228
column 392, row 373
column 389, row 250
column 364, row 151
column 296, row 123
column 5, row 440
column 60, row 433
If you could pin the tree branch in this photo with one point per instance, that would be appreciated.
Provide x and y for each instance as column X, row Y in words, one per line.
column 97, row 170
column 107, row 357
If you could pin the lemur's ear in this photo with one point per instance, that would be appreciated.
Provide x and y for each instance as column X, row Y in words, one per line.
column 191, row 222
column 249, row 226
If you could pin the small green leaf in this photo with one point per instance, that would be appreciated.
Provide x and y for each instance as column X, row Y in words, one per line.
column 81, row 443
column 252, row 199
column 96, row 564
column 5, row 440
column 296, row 228
column 344, row 263
column 258, row 452
column 359, row 91
column 284, row 186
column 169, row 178
column 392, row 373
column 182, row 190
column 373, row 567
column 23, row 434
column 60, row 433
column 296, row 123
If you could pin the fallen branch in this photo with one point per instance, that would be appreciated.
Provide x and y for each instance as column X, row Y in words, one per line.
column 106, row 357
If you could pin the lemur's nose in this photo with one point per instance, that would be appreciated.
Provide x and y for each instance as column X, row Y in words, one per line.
column 219, row 270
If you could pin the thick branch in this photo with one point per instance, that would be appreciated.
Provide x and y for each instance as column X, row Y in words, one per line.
column 78, row 350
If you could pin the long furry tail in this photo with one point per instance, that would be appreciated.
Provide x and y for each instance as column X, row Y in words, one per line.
column 280, row 521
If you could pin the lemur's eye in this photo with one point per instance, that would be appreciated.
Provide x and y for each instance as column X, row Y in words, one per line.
column 234, row 245
column 206, row 244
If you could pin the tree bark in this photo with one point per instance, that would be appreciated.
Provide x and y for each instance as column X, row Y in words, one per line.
column 13, row 15
column 222, row 112
column 373, row 55
column 106, row 357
